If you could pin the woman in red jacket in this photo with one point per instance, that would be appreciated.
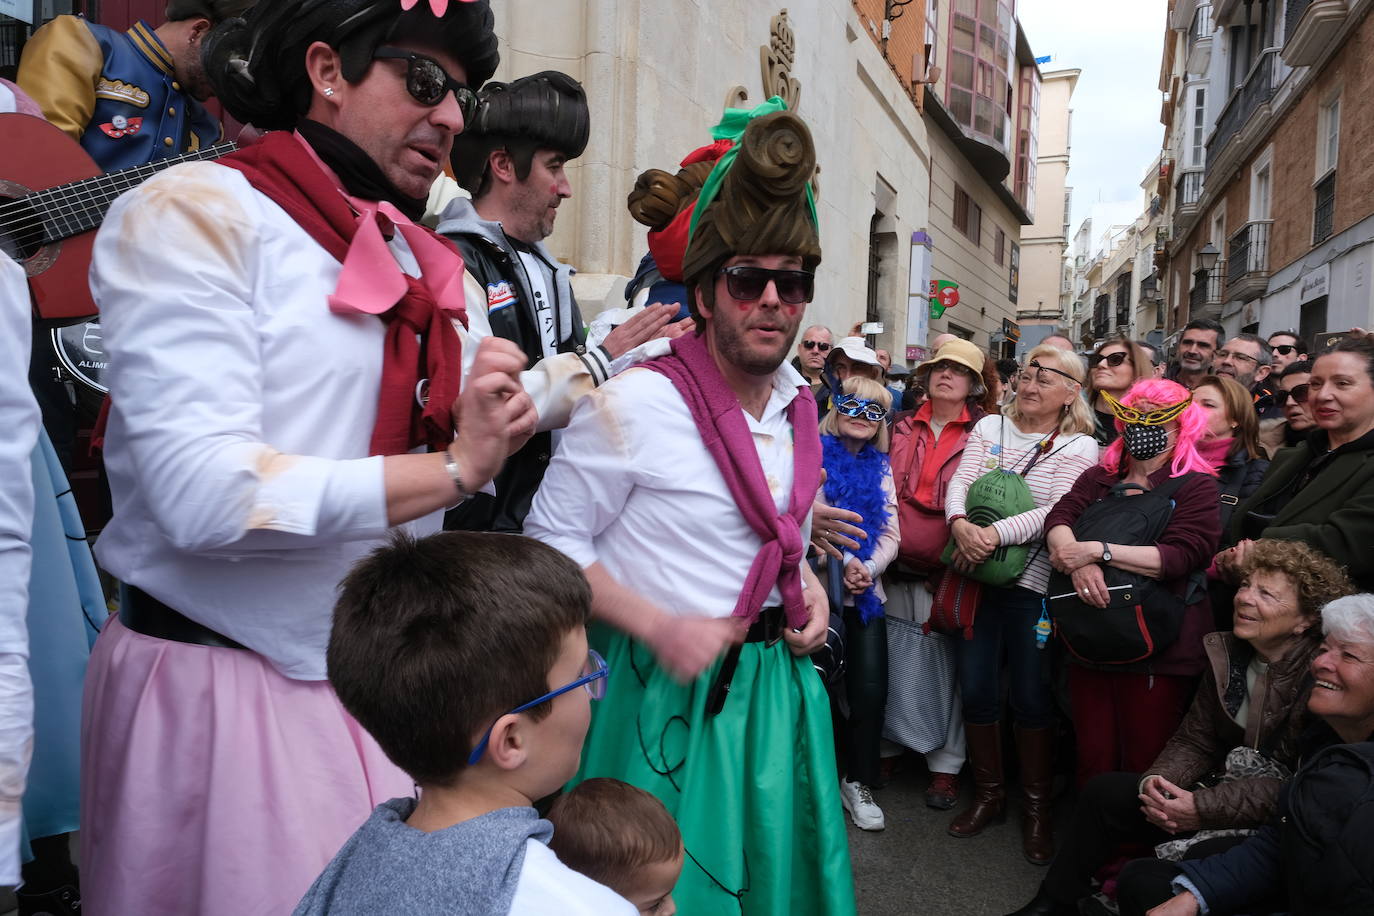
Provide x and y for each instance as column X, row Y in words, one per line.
column 925, row 451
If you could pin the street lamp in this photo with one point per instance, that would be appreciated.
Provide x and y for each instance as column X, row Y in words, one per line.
column 1207, row 256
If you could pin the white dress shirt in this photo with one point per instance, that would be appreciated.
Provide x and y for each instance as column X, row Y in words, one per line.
column 242, row 413
column 633, row 487
column 19, row 419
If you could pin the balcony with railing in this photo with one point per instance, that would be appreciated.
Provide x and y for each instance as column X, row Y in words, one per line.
column 1101, row 311
column 1312, row 25
column 1324, row 209
column 1247, row 261
column 1188, row 193
column 1204, row 299
column 1248, row 103
column 1200, row 39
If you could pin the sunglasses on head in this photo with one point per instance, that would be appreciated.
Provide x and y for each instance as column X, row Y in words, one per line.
column 1298, row 395
column 428, row 82
column 747, row 284
column 1113, row 359
column 851, row 406
column 809, row 344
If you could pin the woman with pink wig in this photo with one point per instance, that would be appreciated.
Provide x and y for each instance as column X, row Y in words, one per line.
column 1124, row 714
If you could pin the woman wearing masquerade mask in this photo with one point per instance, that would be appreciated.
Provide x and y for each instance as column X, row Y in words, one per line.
column 1123, row 714
column 1044, row 437
column 1113, row 368
column 854, row 437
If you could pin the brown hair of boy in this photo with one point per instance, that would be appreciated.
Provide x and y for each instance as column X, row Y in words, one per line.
column 434, row 639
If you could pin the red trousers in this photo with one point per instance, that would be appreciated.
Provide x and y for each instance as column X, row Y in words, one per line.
column 1122, row 720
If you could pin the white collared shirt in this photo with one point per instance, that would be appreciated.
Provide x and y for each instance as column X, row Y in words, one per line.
column 242, row 413
column 633, row 487
column 19, row 420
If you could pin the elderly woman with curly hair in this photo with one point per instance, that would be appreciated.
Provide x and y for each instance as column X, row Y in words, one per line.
column 1251, row 703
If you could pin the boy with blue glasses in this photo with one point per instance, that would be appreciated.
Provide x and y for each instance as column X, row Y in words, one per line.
column 465, row 656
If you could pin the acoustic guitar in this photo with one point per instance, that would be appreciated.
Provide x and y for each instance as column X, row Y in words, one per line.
column 52, row 198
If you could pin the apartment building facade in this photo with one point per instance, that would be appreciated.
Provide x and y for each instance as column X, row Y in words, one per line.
column 1269, row 115
column 1046, row 277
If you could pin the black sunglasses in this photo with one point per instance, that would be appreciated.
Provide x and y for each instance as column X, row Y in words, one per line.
column 1113, row 359
column 810, row 344
column 1298, row 394
column 428, row 82
column 1284, row 349
column 748, row 283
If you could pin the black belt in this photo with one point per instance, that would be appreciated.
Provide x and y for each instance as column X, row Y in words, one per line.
column 767, row 629
column 142, row 613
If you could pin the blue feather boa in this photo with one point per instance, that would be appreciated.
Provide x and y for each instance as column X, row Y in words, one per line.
column 855, row 482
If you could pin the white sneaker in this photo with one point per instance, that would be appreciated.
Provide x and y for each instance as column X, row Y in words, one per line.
column 857, row 799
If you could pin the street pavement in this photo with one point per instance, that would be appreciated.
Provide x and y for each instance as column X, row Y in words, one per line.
column 914, row 868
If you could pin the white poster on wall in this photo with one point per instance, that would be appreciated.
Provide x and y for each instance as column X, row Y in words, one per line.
column 918, row 295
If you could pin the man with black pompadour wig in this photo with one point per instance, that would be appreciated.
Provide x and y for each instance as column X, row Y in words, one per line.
column 219, row 771
column 512, row 159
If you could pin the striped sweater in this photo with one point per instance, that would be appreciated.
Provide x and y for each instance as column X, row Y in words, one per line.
column 1050, row 479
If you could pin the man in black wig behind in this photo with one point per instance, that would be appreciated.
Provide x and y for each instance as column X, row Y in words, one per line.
column 512, row 160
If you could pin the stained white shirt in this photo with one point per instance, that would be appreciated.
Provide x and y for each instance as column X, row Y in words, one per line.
column 19, row 420
column 633, row 487
column 547, row 886
column 243, row 408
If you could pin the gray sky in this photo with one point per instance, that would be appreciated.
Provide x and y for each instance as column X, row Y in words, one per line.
column 1116, row 129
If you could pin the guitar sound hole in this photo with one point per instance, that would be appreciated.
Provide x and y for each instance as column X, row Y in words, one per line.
column 21, row 230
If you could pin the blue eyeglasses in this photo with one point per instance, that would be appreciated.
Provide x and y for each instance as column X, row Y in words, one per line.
column 851, row 406
column 594, row 681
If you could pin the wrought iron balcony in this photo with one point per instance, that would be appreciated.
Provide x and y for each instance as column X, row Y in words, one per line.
column 1250, row 97
column 1204, row 299
column 1247, row 261
column 1324, row 209
column 1200, row 39
column 1188, row 193
column 1312, row 25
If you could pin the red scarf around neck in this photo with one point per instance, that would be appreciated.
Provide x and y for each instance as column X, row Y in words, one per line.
column 725, row 433
column 420, row 338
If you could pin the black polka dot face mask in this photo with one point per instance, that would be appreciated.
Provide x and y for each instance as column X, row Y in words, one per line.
column 1145, row 442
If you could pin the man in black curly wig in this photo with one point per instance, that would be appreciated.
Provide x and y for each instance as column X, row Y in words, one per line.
column 222, row 773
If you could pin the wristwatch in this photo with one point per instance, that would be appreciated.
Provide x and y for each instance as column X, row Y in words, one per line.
column 1106, row 553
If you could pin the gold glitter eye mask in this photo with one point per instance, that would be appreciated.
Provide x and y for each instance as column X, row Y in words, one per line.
column 1157, row 417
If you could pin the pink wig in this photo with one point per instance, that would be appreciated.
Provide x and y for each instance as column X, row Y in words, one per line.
column 1192, row 427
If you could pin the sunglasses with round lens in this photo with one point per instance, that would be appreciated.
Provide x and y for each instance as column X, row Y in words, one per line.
column 428, row 82
column 1298, row 395
column 594, row 679
column 815, row 345
column 851, row 406
column 747, row 284
column 1111, row 359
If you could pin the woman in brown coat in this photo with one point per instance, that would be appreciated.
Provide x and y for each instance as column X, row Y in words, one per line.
column 1253, row 695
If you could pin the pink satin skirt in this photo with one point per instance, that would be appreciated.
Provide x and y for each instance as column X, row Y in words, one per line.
column 210, row 783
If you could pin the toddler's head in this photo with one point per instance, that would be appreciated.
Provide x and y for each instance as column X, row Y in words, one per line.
column 622, row 837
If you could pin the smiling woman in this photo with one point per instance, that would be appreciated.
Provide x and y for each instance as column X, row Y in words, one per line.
column 1322, row 490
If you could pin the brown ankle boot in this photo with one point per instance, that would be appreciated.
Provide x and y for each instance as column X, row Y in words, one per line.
column 989, row 793
column 1035, row 749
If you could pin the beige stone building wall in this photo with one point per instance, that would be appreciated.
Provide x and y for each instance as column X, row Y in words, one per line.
column 1042, row 300
column 657, row 74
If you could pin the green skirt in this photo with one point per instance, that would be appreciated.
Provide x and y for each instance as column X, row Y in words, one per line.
column 754, row 789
